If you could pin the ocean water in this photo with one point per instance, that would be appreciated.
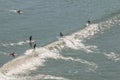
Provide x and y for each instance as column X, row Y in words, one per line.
column 86, row 52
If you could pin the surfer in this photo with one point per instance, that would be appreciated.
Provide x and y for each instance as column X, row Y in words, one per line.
column 88, row 23
column 19, row 11
column 30, row 41
column 16, row 11
column 34, row 46
column 30, row 38
column 61, row 34
column 13, row 54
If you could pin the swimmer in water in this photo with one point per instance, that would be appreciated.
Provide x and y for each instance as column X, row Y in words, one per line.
column 88, row 22
column 13, row 54
column 19, row 11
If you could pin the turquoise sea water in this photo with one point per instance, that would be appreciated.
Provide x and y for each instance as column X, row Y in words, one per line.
column 84, row 53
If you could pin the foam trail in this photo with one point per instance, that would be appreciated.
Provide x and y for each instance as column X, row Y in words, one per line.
column 113, row 56
column 92, row 65
column 16, row 44
column 75, row 40
column 15, row 11
column 3, row 77
column 58, row 56
column 48, row 54
column 40, row 76
column 87, row 32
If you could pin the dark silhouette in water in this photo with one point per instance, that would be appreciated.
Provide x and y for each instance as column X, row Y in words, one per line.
column 19, row 11
column 34, row 46
column 61, row 34
column 30, row 41
column 13, row 54
column 30, row 38
column 88, row 22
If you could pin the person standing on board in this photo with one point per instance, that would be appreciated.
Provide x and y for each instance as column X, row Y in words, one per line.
column 30, row 41
column 34, row 46
column 88, row 23
column 61, row 34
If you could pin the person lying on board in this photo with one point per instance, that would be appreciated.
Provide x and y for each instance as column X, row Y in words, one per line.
column 13, row 54
column 19, row 11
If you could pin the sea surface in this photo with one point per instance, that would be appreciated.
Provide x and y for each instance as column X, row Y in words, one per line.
column 85, row 52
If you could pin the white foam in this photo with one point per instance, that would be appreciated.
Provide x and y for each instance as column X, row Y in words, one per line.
column 34, row 59
column 45, row 53
column 17, row 43
column 87, row 32
column 21, row 65
column 39, row 76
column 77, row 44
column 113, row 56
column 15, row 11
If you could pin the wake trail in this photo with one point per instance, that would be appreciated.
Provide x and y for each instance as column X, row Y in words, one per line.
column 38, row 76
column 17, row 43
column 3, row 53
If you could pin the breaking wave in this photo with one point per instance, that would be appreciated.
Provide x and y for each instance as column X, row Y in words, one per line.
column 34, row 58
